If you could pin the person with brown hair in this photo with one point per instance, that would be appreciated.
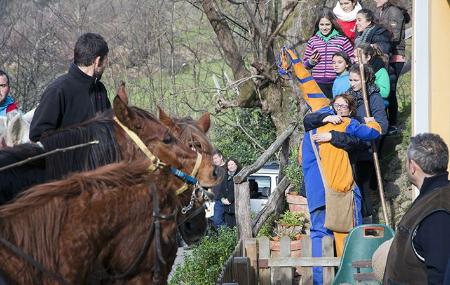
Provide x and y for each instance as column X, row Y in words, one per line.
column 327, row 39
column 370, row 32
column 345, row 11
column 233, row 168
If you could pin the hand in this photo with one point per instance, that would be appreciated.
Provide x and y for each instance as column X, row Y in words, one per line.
column 334, row 119
column 315, row 58
column 322, row 137
column 225, row 201
column 369, row 119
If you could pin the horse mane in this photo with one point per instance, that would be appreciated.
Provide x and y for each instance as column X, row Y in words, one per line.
column 13, row 180
column 111, row 176
column 35, row 220
column 190, row 133
column 99, row 128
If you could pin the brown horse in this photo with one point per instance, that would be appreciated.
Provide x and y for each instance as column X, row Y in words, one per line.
column 104, row 232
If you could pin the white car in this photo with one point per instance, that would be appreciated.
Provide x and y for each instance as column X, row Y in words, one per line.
column 267, row 180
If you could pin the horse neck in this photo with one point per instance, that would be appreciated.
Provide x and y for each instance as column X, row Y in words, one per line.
column 132, row 223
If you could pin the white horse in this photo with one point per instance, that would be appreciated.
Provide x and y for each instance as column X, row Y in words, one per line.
column 15, row 128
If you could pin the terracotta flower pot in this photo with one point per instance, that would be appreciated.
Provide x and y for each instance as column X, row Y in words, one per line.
column 297, row 203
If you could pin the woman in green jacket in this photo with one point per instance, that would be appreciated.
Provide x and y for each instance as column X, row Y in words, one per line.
column 374, row 58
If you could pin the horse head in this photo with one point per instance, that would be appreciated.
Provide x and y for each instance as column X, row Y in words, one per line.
column 193, row 133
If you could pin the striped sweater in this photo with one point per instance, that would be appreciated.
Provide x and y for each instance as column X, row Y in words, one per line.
column 323, row 72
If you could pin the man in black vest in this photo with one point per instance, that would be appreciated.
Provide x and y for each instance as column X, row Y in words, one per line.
column 420, row 251
column 77, row 95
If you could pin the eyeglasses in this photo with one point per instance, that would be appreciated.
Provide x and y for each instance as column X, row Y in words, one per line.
column 339, row 106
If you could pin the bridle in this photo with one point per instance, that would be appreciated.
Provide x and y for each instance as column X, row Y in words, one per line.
column 155, row 226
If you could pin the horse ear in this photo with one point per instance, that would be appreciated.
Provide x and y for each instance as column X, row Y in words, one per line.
column 122, row 93
column 166, row 119
column 122, row 112
column 204, row 122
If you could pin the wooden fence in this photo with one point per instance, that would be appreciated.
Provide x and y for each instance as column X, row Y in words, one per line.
column 254, row 262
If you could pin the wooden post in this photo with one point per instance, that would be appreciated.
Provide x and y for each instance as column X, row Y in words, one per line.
column 328, row 251
column 283, row 275
column 263, row 264
column 242, row 210
column 241, row 270
column 306, row 252
column 251, row 251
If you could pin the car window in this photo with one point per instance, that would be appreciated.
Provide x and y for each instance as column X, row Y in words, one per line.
column 264, row 184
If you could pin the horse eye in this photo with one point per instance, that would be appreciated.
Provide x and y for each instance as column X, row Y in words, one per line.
column 168, row 139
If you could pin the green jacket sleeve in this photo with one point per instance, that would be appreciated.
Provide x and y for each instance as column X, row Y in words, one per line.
column 382, row 82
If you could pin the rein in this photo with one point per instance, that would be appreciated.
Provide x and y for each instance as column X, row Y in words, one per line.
column 155, row 227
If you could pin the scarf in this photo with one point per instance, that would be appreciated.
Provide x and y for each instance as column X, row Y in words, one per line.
column 346, row 16
column 4, row 105
column 362, row 38
column 330, row 35
column 371, row 88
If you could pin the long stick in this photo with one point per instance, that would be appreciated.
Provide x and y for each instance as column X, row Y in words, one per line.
column 47, row 154
column 374, row 147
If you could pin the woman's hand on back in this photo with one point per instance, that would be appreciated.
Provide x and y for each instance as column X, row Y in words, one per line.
column 334, row 119
column 369, row 119
column 322, row 137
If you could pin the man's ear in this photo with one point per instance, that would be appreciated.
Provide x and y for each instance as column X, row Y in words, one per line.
column 97, row 61
column 414, row 167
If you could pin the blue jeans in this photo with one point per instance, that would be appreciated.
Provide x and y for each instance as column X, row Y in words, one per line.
column 318, row 231
column 218, row 219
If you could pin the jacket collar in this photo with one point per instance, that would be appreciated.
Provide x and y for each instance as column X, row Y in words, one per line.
column 75, row 71
column 432, row 183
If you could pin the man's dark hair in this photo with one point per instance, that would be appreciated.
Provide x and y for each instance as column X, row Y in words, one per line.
column 430, row 152
column 88, row 47
column 3, row 73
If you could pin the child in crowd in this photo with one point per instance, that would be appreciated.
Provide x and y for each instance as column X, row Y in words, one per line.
column 327, row 39
column 341, row 64
column 345, row 12
column 374, row 57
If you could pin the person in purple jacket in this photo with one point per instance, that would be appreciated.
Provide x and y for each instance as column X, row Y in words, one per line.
column 327, row 39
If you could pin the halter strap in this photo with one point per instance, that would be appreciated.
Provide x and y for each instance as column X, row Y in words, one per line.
column 194, row 172
column 155, row 162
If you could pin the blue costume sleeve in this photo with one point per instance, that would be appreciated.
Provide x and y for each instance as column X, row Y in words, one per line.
column 361, row 131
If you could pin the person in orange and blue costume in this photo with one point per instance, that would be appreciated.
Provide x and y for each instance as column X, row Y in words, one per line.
column 335, row 162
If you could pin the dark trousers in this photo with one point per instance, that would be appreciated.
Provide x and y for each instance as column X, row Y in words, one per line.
column 366, row 180
column 394, row 74
column 327, row 89
column 218, row 218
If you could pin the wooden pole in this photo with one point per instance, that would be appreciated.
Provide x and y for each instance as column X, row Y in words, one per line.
column 47, row 154
column 374, row 147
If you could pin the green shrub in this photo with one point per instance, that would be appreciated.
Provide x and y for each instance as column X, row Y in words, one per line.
column 204, row 264
column 293, row 171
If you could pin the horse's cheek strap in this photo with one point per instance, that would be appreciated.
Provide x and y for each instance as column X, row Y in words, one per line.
column 153, row 159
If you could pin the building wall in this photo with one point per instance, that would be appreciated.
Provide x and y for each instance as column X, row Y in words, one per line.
column 439, row 99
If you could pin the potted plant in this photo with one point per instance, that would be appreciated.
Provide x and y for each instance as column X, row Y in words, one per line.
column 293, row 225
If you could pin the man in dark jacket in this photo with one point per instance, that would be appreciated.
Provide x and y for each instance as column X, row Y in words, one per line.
column 77, row 95
column 420, row 251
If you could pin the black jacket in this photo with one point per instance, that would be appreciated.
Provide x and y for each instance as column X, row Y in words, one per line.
column 376, row 35
column 70, row 99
